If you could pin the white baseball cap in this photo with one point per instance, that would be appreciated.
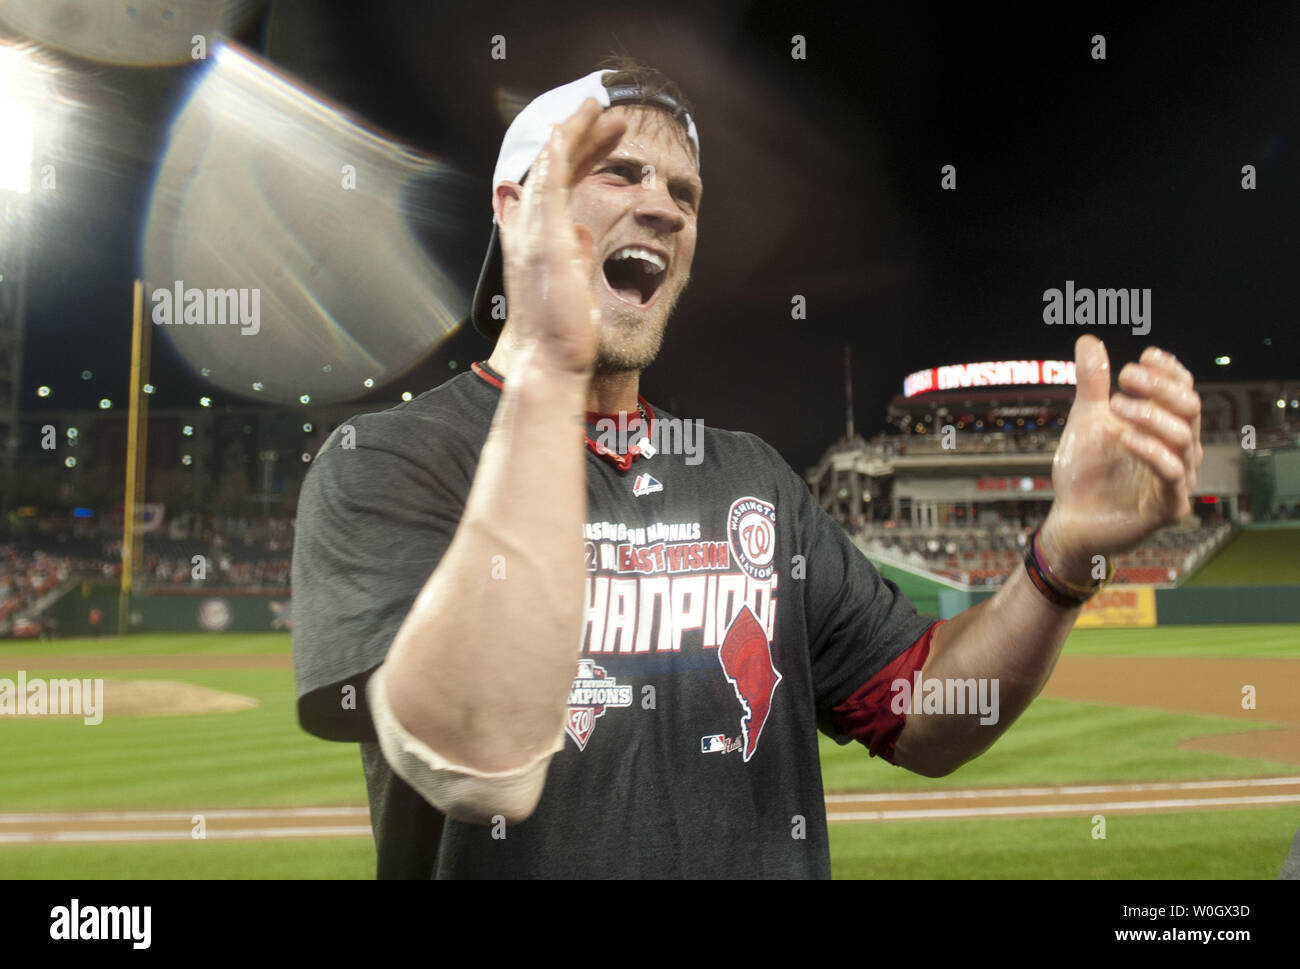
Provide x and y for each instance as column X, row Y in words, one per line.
column 524, row 141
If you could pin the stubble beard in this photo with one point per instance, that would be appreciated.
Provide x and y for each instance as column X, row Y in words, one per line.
column 630, row 339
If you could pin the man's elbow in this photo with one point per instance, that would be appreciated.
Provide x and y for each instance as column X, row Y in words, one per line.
column 928, row 754
column 492, row 806
column 927, row 766
column 462, row 793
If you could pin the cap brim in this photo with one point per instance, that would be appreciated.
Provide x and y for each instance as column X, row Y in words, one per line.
column 490, row 285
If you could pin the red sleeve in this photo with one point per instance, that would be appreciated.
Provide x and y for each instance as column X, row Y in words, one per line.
column 867, row 716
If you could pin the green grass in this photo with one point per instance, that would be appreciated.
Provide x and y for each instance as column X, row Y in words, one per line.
column 1065, row 742
column 1196, row 844
column 257, row 757
column 1254, row 557
column 1263, row 640
column 287, row 858
column 260, row 757
column 153, row 644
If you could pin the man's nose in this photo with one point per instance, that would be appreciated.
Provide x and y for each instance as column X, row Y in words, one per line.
column 658, row 210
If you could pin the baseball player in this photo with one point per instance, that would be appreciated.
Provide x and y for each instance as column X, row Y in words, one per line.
column 566, row 659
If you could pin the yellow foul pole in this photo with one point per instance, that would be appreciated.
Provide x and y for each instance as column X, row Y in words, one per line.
column 136, row 440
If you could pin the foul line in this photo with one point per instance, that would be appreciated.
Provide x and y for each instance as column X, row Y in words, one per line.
column 1024, row 809
column 1047, row 791
column 183, row 831
column 186, row 816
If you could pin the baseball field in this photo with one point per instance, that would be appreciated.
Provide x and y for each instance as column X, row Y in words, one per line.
column 1139, row 761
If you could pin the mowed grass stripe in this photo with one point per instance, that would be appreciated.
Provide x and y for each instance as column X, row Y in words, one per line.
column 261, row 756
column 1266, row 641
column 246, row 780
column 317, row 858
column 1207, row 845
column 1247, row 843
column 246, row 758
column 1065, row 742
column 245, row 770
column 154, row 644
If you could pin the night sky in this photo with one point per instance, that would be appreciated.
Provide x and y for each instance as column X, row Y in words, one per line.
column 822, row 178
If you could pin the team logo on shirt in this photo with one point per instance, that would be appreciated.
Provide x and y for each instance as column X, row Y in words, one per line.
column 591, row 694
column 751, row 530
column 646, row 484
column 665, row 589
column 719, row 743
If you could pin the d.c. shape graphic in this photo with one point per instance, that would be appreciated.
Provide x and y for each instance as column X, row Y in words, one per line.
column 746, row 658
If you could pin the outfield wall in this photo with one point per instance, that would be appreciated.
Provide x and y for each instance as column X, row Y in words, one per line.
column 217, row 611
column 1213, row 604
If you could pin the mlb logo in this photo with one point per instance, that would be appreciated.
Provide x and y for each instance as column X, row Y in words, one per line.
column 716, row 744
column 646, row 484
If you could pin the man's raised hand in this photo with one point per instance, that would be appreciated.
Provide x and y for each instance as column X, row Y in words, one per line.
column 1127, row 463
column 547, row 258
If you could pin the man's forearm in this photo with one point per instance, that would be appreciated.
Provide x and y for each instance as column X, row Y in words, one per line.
column 1015, row 639
column 481, row 666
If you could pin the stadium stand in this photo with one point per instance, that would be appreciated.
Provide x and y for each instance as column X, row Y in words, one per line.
column 240, row 552
column 986, row 556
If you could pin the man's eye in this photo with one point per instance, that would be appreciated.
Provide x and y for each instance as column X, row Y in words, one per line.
column 624, row 170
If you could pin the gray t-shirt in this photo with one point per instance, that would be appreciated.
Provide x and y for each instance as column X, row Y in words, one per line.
column 726, row 614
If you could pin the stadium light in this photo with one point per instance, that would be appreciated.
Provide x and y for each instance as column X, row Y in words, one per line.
column 17, row 133
column 33, row 112
column 17, row 120
column 1223, row 361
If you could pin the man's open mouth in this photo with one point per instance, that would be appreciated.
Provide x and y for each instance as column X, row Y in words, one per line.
column 633, row 274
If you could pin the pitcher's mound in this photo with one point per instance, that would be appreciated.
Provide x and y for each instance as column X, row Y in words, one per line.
column 168, row 698
column 160, row 698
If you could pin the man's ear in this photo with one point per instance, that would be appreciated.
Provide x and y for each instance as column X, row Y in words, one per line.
column 505, row 196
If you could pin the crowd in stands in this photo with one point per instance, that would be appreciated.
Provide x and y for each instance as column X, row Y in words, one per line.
column 991, row 441
column 244, row 552
column 25, row 578
column 985, row 556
